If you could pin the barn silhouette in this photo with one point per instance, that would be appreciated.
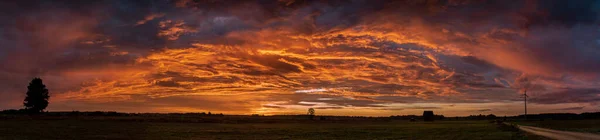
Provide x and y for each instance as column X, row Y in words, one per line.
column 428, row 115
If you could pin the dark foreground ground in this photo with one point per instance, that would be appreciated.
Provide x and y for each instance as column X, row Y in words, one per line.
column 24, row 129
column 588, row 126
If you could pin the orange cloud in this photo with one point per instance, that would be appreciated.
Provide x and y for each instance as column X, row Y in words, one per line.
column 149, row 18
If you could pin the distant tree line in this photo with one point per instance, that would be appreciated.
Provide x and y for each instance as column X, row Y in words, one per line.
column 107, row 113
column 563, row 116
column 416, row 117
column 481, row 117
column 543, row 116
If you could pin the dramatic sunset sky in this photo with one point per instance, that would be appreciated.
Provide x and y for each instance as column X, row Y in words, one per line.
column 360, row 57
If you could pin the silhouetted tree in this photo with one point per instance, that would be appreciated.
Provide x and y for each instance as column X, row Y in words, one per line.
column 311, row 112
column 37, row 96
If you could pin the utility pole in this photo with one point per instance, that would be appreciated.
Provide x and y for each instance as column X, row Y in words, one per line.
column 525, row 99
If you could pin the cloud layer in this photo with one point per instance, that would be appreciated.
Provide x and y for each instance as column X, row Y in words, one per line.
column 280, row 57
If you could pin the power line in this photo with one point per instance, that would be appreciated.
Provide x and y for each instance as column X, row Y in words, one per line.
column 525, row 102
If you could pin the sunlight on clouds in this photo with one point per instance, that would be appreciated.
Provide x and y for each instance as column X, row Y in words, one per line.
column 282, row 57
column 317, row 64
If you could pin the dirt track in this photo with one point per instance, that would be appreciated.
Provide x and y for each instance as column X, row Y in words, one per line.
column 559, row 135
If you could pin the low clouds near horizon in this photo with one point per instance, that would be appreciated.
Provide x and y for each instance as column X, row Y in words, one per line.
column 457, row 57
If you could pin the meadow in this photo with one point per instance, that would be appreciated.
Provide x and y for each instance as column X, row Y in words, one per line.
column 91, row 128
column 589, row 125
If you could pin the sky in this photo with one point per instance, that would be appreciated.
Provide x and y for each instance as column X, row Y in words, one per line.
column 356, row 57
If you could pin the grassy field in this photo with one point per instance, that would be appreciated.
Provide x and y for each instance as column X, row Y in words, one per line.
column 590, row 126
column 86, row 129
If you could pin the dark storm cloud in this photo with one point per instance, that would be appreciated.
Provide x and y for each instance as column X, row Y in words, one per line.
column 567, row 96
column 70, row 34
column 566, row 13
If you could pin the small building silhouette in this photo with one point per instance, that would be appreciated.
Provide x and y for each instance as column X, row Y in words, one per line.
column 428, row 115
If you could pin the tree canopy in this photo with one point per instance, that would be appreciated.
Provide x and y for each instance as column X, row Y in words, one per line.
column 37, row 96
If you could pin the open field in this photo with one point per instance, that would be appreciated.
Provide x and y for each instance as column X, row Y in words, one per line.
column 23, row 129
column 589, row 126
